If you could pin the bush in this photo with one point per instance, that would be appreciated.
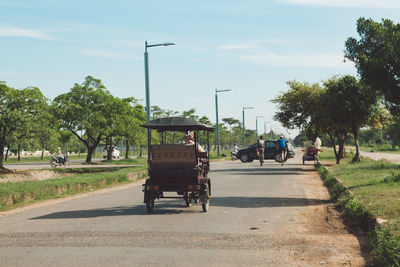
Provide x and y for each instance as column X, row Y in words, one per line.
column 386, row 246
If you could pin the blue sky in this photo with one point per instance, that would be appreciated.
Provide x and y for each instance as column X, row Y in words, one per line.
column 251, row 47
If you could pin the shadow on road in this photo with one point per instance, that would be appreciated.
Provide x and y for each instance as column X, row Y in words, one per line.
column 176, row 207
column 262, row 171
column 262, row 202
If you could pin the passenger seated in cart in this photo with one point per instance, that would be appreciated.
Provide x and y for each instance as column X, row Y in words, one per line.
column 189, row 136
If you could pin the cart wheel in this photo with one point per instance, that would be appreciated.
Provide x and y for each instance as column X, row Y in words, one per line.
column 149, row 200
column 205, row 198
column 205, row 206
column 188, row 200
column 150, row 204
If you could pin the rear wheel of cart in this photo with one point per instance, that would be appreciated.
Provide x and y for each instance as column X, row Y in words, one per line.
column 150, row 204
column 205, row 198
column 149, row 200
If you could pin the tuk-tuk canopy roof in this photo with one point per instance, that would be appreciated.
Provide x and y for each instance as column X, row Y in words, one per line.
column 176, row 124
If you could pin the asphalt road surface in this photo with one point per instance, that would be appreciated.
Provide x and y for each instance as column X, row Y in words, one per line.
column 258, row 216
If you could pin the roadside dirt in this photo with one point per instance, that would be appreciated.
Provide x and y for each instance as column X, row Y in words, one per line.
column 31, row 175
column 324, row 229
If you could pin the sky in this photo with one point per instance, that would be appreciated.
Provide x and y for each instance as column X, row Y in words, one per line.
column 251, row 47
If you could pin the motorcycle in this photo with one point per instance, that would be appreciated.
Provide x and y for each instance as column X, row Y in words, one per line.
column 233, row 156
column 55, row 161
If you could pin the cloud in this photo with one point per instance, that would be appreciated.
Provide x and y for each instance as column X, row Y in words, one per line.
column 297, row 60
column 108, row 54
column 128, row 42
column 253, row 45
column 7, row 31
column 347, row 3
column 14, row 3
column 237, row 46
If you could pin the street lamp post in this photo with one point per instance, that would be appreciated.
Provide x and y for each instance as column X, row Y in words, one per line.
column 265, row 128
column 147, row 87
column 257, row 117
column 244, row 128
column 216, row 113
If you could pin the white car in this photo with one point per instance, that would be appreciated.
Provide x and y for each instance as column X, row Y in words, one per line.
column 114, row 155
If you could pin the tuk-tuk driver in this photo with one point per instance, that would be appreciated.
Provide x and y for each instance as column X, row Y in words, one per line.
column 189, row 136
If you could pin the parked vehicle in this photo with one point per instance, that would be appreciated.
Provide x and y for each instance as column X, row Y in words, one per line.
column 179, row 168
column 115, row 153
column 270, row 152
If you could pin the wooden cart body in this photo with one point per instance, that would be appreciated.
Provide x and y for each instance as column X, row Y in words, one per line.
column 177, row 168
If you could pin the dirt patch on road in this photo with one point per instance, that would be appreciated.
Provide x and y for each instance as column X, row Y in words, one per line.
column 31, row 175
column 335, row 243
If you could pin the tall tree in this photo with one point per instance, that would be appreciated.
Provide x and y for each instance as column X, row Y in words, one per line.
column 19, row 111
column 377, row 57
column 231, row 122
column 86, row 107
column 351, row 105
column 303, row 106
column 126, row 118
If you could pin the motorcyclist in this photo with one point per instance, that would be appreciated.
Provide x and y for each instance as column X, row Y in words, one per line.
column 60, row 156
column 235, row 150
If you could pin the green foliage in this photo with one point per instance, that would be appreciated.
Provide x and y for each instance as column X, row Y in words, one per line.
column 86, row 180
column 140, row 161
column 377, row 57
column 22, row 113
column 386, row 246
column 91, row 108
column 393, row 131
column 342, row 106
column 300, row 105
column 354, row 207
column 86, row 107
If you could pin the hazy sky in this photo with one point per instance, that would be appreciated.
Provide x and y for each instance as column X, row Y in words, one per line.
column 251, row 47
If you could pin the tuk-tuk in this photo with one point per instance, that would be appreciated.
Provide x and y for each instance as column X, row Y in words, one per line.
column 175, row 166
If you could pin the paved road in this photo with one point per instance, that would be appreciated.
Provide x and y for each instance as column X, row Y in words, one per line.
column 258, row 216
column 395, row 158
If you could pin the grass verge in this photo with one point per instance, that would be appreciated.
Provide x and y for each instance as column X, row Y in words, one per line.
column 366, row 191
column 17, row 194
column 139, row 161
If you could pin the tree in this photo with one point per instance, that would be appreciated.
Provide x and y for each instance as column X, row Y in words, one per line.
column 351, row 105
column 19, row 112
column 377, row 57
column 128, row 118
column 304, row 106
column 300, row 139
column 394, row 133
column 231, row 122
column 86, row 107
column 190, row 114
column 343, row 106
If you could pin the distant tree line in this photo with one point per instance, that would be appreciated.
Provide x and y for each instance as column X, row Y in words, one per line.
column 86, row 117
column 345, row 105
